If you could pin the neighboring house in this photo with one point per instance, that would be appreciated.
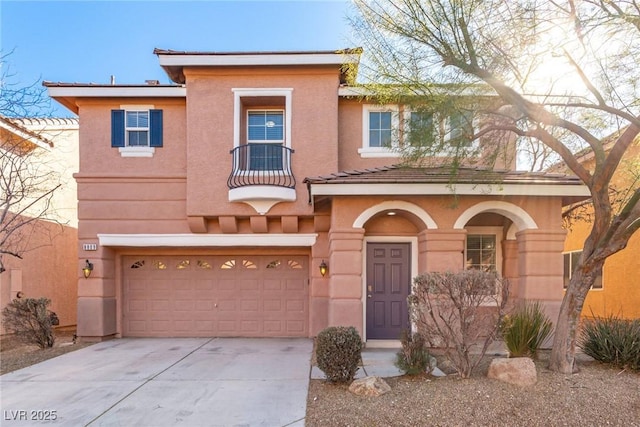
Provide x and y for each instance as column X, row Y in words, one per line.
column 617, row 291
column 208, row 206
column 48, row 266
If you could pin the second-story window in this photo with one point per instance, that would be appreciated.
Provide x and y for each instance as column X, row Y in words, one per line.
column 137, row 128
column 265, row 136
column 380, row 129
column 380, row 124
column 460, row 128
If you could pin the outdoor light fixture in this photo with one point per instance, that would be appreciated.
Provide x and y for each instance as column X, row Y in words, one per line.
column 323, row 268
column 87, row 269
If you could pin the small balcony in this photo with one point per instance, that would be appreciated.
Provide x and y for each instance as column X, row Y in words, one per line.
column 261, row 176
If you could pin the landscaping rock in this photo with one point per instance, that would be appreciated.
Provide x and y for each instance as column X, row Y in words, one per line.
column 518, row 370
column 369, row 386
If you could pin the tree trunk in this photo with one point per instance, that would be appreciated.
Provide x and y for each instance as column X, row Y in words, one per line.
column 566, row 330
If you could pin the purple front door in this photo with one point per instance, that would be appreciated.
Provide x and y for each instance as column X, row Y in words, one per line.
column 388, row 285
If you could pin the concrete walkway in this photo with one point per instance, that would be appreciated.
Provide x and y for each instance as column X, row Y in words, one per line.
column 165, row 382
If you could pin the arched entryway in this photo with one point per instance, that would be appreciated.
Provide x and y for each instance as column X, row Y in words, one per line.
column 392, row 230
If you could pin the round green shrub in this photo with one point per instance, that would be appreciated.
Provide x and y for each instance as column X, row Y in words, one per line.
column 338, row 353
column 414, row 358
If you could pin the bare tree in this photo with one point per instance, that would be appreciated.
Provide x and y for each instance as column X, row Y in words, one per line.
column 566, row 76
column 28, row 180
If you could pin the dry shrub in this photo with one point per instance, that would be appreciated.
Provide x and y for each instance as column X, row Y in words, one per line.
column 459, row 312
column 30, row 321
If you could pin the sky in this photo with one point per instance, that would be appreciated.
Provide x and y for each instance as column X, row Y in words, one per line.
column 89, row 41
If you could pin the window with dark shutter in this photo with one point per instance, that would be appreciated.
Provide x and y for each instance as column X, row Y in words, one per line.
column 117, row 128
column 155, row 128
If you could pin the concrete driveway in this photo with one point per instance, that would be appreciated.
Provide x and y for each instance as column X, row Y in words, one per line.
column 165, row 382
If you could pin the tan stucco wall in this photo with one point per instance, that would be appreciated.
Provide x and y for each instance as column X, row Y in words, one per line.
column 620, row 294
column 48, row 268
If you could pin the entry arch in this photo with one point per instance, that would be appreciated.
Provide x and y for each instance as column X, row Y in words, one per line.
column 520, row 218
column 416, row 210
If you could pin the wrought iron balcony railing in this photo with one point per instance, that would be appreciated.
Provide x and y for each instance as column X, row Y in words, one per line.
column 261, row 164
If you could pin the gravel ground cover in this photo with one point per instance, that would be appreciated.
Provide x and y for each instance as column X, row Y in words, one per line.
column 14, row 354
column 598, row 395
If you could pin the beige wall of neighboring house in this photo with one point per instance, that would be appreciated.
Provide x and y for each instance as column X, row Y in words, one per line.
column 264, row 171
column 618, row 292
column 48, row 267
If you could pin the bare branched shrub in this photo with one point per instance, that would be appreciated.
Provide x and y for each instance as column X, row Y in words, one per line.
column 460, row 313
column 30, row 320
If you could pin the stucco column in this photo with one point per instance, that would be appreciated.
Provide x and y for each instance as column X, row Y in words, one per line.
column 319, row 291
column 97, row 308
column 510, row 266
column 444, row 249
column 540, row 268
column 345, row 281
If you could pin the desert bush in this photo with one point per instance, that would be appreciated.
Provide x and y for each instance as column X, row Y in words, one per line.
column 459, row 311
column 30, row 321
column 338, row 353
column 525, row 329
column 612, row 340
column 414, row 358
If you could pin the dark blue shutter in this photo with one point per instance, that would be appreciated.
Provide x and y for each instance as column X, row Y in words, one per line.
column 117, row 128
column 155, row 128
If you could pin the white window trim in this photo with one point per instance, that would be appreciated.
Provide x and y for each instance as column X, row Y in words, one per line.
column 239, row 93
column 498, row 232
column 136, row 151
column 491, row 230
column 439, row 132
column 447, row 130
column 601, row 288
column 366, row 150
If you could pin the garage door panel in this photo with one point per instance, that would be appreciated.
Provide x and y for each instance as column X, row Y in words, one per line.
column 273, row 305
column 215, row 296
column 295, row 327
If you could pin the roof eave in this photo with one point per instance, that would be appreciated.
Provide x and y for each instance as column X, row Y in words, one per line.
column 68, row 93
column 174, row 62
column 569, row 192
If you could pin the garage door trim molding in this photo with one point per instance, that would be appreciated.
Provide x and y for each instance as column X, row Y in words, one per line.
column 189, row 240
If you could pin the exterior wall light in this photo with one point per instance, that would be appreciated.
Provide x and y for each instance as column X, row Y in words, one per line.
column 323, row 268
column 87, row 269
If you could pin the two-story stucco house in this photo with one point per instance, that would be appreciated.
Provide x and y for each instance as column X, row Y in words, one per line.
column 213, row 202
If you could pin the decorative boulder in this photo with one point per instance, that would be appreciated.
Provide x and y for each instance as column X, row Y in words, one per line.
column 369, row 386
column 519, row 371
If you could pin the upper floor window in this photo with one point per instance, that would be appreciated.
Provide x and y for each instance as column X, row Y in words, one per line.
column 265, row 136
column 265, row 126
column 421, row 128
column 459, row 127
column 380, row 126
column 136, row 130
column 571, row 261
column 388, row 129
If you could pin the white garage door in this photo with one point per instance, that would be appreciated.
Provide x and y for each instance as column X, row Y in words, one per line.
column 206, row 296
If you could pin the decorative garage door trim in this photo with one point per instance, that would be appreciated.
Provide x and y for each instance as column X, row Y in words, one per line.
column 206, row 296
column 198, row 240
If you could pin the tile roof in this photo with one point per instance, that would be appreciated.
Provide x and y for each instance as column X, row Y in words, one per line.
column 398, row 174
column 17, row 127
